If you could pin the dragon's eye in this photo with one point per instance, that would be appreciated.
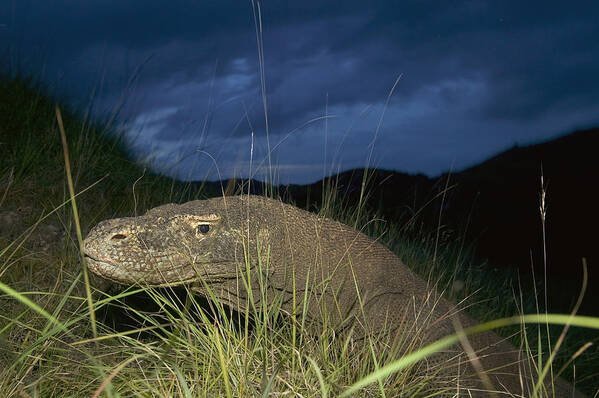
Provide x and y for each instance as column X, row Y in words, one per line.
column 204, row 228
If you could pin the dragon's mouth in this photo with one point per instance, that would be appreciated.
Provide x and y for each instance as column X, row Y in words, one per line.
column 89, row 257
column 94, row 264
column 159, row 272
column 107, row 270
column 136, row 274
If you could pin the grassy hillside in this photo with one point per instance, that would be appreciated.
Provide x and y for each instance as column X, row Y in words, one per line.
column 47, row 342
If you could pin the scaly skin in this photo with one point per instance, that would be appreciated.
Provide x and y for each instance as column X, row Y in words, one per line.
column 209, row 240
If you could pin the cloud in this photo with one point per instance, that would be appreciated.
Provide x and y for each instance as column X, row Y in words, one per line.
column 477, row 77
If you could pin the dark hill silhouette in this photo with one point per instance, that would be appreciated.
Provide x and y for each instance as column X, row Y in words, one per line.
column 503, row 194
column 495, row 205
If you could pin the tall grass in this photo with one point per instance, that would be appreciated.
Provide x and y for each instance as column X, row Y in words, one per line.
column 48, row 345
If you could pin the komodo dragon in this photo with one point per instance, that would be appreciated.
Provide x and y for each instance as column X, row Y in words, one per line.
column 205, row 239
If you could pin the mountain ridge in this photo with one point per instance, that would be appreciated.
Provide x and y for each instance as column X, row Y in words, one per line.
column 494, row 205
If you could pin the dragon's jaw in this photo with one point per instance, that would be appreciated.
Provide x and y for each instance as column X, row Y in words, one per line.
column 130, row 273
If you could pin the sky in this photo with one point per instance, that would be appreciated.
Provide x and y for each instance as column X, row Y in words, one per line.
column 208, row 89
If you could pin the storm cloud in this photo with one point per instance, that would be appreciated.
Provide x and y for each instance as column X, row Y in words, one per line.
column 475, row 77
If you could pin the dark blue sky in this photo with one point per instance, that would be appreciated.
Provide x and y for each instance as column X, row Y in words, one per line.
column 477, row 77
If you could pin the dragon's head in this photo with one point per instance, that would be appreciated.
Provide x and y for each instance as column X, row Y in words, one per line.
column 170, row 243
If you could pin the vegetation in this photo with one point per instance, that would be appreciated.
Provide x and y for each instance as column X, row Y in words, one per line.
column 51, row 345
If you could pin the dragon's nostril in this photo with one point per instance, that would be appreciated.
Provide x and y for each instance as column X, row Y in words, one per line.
column 118, row 237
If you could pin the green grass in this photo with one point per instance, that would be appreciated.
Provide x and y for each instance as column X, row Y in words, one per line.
column 48, row 346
